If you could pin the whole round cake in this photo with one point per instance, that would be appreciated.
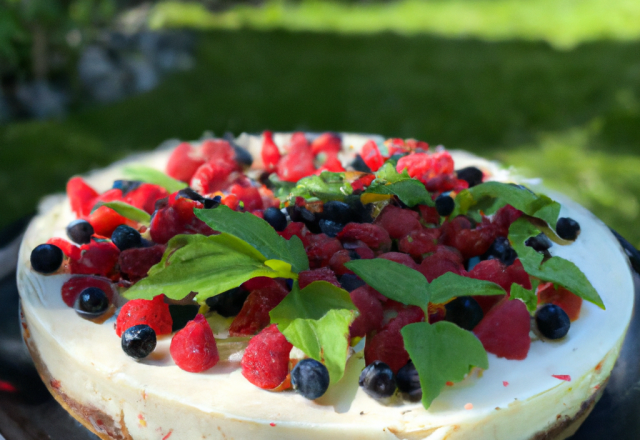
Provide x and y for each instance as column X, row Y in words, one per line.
column 305, row 286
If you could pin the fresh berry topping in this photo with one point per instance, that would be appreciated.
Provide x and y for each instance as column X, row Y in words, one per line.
column 567, row 228
column 504, row 331
column 330, row 228
column 568, row 301
column 270, row 153
column 80, row 231
column 539, row 243
column 398, row 222
column 126, row 237
column 501, row 250
column 552, row 321
column 338, row 212
column 307, row 277
column 464, row 311
column 139, row 341
column 126, row 185
column 377, row 380
column 73, row 286
column 372, row 156
column 434, row 266
column 409, row 382
column 191, row 194
column 96, row 258
column 472, row 175
column 81, row 196
column 373, row 236
column 310, row 378
column 154, row 313
column 254, row 315
column 91, row 303
column 135, row 262
column 350, row 282
column 359, row 164
column 445, row 205
column 46, row 258
column 371, row 312
column 265, row 362
column 228, row 303
column 275, row 218
column 183, row 162
column 194, row 348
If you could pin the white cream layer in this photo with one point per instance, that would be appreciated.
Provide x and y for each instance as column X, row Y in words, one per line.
column 511, row 400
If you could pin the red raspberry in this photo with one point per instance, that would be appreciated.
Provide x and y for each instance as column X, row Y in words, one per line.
column 154, row 313
column 193, row 348
column 517, row 274
column 265, row 362
column 442, row 183
column 270, row 152
column 145, row 197
column 136, row 262
column 219, row 151
column 299, row 229
column 320, row 250
column 73, row 286
column 97, row 258
column 326, row 143
column 449, row 253
column 298, row 163
column 331, row 164
column 211, row 177
column 395, row 146
column 504, row 331
column 371, row 156
column 337, row 261
column 254, row 315
column 260, row 283
column 307, row 277
column 434, row 266
column 375, row 237
column 105, row 220
column 413, row 145
column 401, row 258
column 248, row 194
column 504, row 217
column 183, row 162
column 416, row 164
column 398, row 222
column 177, row 218
column 470, row 242
column 563, row 298
column 494, row 271
column 81, row 196
column 429, row 215
column 420, row 242
column 371, row 312
column 67, row 248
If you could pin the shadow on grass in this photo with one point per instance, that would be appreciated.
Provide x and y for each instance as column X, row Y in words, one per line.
column 489, row 98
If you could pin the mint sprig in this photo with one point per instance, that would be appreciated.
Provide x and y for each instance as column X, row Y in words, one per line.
column 128, row 211
column 327, row 186
column 389, row 182
column 450, row 285
column 528, row 296
column 151, row 175
column 316, row 320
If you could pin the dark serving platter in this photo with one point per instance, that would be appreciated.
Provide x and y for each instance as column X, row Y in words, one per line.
column 29, row 412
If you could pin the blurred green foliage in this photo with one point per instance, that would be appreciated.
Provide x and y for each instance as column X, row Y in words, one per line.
column 572, row 117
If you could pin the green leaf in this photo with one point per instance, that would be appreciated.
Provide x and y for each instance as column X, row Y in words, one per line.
column 151, row 175
column 327, row 186
column 451, row 285
column 316, row 320
column 442, row 352
column 206, row 265
column 394, row 280
column 410, row 192
column 556, row 269
column 388, row 174
column 490, row 196
column 128, row 211
column 528, row 297
column 257, row 233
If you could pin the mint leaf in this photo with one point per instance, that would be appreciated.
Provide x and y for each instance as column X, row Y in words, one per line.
column 206, row 265
column 327, row 186
column 451, row 285
column 258, row 233
column 394, row 280
column 490, row 196
column 410, row 192
column 442, row 352
column 151, row 175
column 316, row 320
column 528, row 297
column 128, row 211
column 388, row 174
column 556, row 269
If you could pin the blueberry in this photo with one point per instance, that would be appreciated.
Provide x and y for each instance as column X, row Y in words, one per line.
column 539, row 243
column 567, row 228
column 275, row 218
column 359, row 164
column 445, row 205
column 552, row 321
column 91, row 303
column 139, row 341
column 80, row 231
column 310, row 378
column 302, row 214
column 126, row 185
column 125, row 237
column 501, row 250
column 338, row 212
column 330, row 228
column 464, row 311
column 46, row 258
column 212, row 203
column 361, row 213
column 191, row 194
column 409, row 382
column 471, row 263
column 228, row 303
column 243, row 157
column 377, row 380
column 181, row 315
column 350, row 282
column 354, row 255
column 472, row 175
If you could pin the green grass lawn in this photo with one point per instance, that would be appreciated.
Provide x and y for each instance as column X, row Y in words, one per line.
column 572, row 117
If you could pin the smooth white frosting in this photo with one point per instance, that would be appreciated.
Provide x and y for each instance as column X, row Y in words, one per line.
column 155, row 397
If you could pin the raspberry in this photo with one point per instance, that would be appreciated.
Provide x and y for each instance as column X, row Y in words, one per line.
column 211, row 177
column 321, row 249
column 337, row 261
column 434, row 266
column 416, row 164
column 249, row 195
column 299, row 229
column 442, row 183
column 270, row 152
column 193, row 348
column 561, row 297
column 494, row 271
column 449, row 253
column 136, row 262
column 265, row 362
column 470, row 242
column 517, row 274
column 398, row 222
column 375, row 237
column 298, row 163
column 81, row 196
column 219, row 151
column 154, row 313
column 371, row 313
column 183, row 162
column 72, row 287
column 371, row 156
column 429, row 215
column 326, row 143
column 306, row 277
column 105, row 220
column 67, row 248
column 396, row 146
column 419, row 242
column 97, row 258
column 504, row 217
column 177, row 218
column 145, row 197
column 331, row 164
column 254, row 315
column 401, row 258
column 504, row 331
